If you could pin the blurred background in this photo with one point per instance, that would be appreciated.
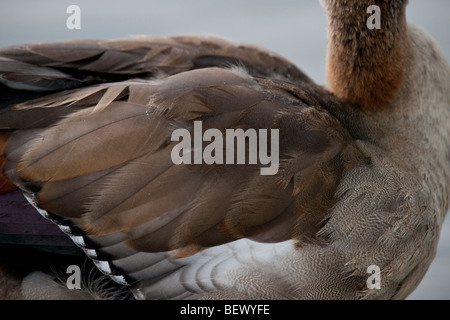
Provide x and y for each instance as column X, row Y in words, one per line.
column 294, row 29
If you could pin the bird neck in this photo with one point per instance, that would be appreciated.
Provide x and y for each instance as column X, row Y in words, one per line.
column 367, row 50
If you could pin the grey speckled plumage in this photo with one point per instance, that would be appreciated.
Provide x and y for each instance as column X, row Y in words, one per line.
column 85, row 132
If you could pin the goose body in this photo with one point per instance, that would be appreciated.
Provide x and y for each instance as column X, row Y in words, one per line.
column 86, row 138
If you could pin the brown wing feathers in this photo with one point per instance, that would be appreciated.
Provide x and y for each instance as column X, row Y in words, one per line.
column 65, row 65
column 106, row 158
column 5, row 184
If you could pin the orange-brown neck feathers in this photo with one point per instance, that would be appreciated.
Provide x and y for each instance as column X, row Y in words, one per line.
column 366, row 63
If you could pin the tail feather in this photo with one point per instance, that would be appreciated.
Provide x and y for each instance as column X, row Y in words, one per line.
column 93, row 286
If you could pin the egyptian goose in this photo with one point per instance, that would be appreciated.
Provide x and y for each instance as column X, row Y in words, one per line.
column 361, row 181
